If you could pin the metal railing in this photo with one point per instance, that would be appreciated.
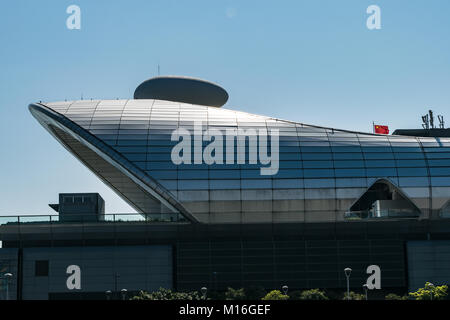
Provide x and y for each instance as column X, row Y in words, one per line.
column 90, row 218
column 382, row 214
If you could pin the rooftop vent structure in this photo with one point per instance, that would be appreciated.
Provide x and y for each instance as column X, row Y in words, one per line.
column 182, row 89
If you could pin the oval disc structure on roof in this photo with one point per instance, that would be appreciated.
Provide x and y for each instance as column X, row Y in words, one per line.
column 182, row 89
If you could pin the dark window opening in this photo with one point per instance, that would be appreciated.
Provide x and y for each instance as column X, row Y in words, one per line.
column 383, row 200
column 41, row 268
column 68, row 199
column 87, row 200
column 445, row 211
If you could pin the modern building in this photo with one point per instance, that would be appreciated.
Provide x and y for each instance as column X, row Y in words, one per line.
column 80, row 207
column 231, row 199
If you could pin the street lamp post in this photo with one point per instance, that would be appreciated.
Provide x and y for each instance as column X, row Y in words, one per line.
column 365, row 290
column 431, row 290
column 215, row 280
column 7, row 276
column 348, row 272
column 204, row 290
column 116, row 278
column 124, row 294
column 285, row 289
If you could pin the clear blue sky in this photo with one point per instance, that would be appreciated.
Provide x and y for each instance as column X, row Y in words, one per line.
column 312, row 61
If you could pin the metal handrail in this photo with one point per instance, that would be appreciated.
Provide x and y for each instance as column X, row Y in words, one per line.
column 388, row 214
column 90, row 218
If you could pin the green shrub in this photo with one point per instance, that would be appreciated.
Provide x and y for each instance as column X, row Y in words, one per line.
column 275, row 295
column 254, row 293
column 295, row 295
column 354, row 296
column 235, row 294
column 313, row 294
column 430, row 292
column 167, row 294
column 216, row 295
column 393, row 296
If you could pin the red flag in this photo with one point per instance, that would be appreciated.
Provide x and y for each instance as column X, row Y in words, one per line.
column 381, row 129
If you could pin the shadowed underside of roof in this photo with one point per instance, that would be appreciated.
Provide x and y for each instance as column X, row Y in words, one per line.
column 146, row 197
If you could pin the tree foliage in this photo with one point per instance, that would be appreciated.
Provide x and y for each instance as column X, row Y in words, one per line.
column 393, row 296
column 430, row 292
column 254, row 293
column 235, row 294
column 167, row 294
column 275, row 295
column 258, row 293
column 313, row 294
column 354, row 296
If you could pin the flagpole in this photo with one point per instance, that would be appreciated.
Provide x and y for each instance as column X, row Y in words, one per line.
column 373, row 126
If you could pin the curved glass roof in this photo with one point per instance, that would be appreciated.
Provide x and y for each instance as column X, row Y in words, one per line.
column 320, row 174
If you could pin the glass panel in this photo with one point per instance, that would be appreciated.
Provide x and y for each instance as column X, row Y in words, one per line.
column 224, row 174
column 290, row 164
column 443, row 155
column 169, row 184
column 412, row 172
column 317, row 156
column 127, row 217
column 440, row 181
column 346, row 149
column 413, row 182
column 34, row 219
column 225, row 184
column 348, row 156
column 305, row 149
column 350, row 173
column 445, row 211
column 380, row 163
column 9, row 220
column 440, row 171
column 287, row 183
column 319, row 183
column 439, row 163
column 385, row 172
column 289, row 173
column 193, row 184
column 411, row 163
column 318, row 164
column 377, row 149
column 163, row 174
column 256, row 184
column 318, row 173
column 375, row 155
column 352, row 182
column 193, row 174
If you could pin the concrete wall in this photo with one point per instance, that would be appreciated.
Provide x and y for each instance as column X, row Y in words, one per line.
column 428, row 261
column 8, row 264
column 139, row 268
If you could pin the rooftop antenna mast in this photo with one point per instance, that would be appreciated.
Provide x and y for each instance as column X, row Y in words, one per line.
column 159, row 69
column 441, row 122
column 426, row 122
column 431, row 119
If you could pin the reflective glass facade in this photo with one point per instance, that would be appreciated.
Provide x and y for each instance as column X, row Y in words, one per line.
column 322, row 171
